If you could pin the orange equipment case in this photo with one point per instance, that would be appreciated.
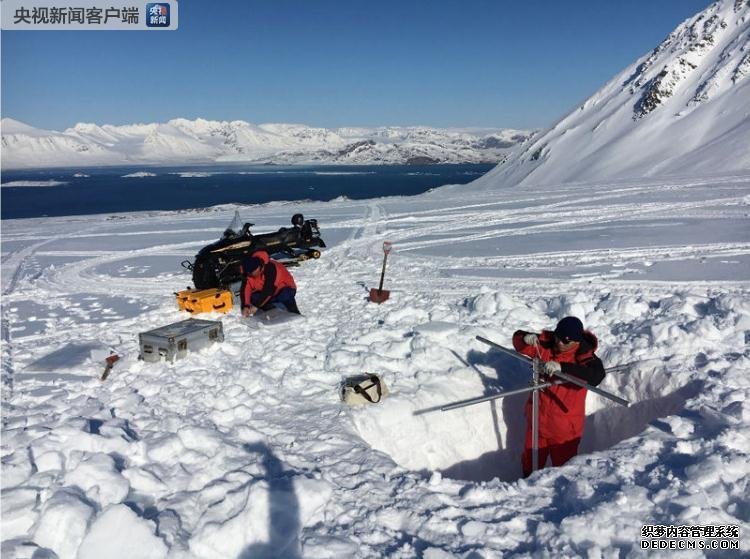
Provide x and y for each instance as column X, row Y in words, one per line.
column 197, row 301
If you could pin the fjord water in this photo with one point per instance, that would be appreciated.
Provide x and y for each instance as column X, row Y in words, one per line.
column 57, row 192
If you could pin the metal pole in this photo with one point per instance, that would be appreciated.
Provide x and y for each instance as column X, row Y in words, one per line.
column 568, row 378
column 511, row 352
column 535, row 423
column 594, row 389
column 472, row 401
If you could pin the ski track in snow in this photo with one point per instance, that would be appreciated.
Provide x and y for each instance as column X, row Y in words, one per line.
column 243, row 449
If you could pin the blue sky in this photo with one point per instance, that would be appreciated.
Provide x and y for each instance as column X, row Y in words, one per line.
column 333, row 63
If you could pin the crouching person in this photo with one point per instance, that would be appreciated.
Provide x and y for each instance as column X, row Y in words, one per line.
column 562, row 407
column 266, row 283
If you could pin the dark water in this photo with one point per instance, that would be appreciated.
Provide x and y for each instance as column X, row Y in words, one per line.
column 107, row 190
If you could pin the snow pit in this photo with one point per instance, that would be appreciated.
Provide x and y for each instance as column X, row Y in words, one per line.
column 485, row 441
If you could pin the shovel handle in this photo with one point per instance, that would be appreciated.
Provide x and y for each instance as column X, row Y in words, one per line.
column 386, row 249
column 382, row 273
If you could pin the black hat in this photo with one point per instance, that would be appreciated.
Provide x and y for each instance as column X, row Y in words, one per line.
column 249, row 265
column 569, row 329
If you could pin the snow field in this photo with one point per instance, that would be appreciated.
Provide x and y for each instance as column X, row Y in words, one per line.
column 244, row 450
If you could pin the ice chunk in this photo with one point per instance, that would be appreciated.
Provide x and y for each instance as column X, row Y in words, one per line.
column 118, row 533
column 99, row 478
column 18, row 511
column 63, row 523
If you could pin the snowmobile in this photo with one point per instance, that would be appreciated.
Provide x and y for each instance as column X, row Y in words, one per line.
column 218, row 264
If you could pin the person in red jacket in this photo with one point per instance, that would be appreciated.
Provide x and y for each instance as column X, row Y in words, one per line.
column 266, row 282
column 562, row 407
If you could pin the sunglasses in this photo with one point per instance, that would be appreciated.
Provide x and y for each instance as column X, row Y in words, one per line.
column 564, row 340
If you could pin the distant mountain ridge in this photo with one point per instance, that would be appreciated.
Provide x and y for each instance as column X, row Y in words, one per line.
column 203, row 141
column 682, row 109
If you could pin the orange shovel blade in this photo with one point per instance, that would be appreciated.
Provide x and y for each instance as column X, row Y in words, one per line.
column 379, row 296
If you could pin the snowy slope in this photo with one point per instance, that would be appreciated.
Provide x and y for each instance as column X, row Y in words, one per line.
column 244, row 450
column 682, row 109
column 26, row 146
column 202, row 141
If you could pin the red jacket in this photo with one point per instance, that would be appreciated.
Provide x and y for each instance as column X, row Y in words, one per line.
column 273, row 278
column 562, row 407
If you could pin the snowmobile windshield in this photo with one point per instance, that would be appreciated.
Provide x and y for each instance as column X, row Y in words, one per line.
column 235, row 226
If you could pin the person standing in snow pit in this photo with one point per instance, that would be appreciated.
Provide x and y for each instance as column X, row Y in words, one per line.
column 266, row 283
column 562, row 407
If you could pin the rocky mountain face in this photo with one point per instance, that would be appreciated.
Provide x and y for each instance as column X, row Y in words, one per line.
column 684, row 108
column 202, row 141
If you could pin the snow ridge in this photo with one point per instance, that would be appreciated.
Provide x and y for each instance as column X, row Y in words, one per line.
column 204, row 141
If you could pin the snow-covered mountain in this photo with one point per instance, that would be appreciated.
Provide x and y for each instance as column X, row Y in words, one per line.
column 203, row 141
column 683, row 108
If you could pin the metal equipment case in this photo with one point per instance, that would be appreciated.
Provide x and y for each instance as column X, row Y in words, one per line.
column 175, row 340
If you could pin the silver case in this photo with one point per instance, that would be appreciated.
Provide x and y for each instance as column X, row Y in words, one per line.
column 173, row 341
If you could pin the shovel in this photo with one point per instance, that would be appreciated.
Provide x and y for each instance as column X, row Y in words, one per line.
column 109, row 362
column 380, row 295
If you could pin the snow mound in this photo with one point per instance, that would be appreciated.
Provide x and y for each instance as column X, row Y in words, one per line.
column 139, row 175
column 33, row 184
column 119, row 533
